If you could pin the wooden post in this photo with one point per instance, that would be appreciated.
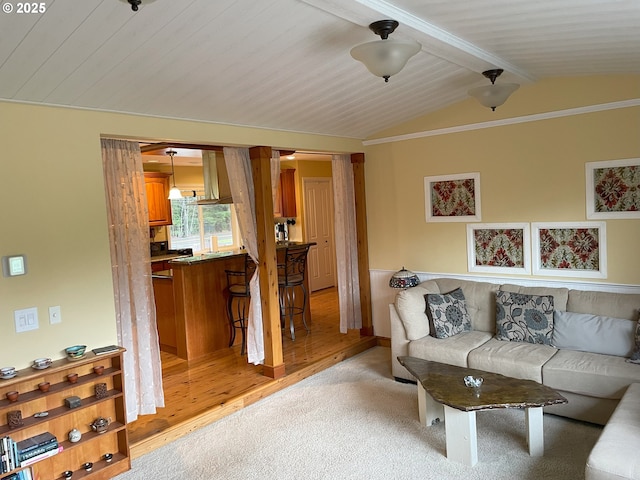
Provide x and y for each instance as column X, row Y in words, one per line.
column 357, row 160
column 261, row 169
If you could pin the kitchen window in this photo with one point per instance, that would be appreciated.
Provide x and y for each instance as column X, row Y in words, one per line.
column 204, row 228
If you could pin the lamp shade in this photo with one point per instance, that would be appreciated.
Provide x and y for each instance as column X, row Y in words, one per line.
column 494, row 95
column 174, row 193
column 385, row 58
column 404, row 279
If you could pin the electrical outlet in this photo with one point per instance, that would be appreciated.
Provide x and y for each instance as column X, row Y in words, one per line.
column 26, row 319
column 55, row 316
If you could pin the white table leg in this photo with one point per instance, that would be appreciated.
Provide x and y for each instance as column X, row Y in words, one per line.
column 535, row 433
column 461, row 434
column 429, row 411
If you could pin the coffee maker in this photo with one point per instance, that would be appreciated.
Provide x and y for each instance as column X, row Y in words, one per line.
column 282, row 232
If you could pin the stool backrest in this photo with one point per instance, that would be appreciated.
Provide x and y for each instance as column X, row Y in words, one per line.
column 242, row 277
column 295, row 262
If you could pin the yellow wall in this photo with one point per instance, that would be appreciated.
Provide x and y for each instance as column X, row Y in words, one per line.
column 54, row 211
column 529, row 172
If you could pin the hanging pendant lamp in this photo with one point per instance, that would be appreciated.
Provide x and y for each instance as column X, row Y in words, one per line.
column 385, row 57
column 174, row 193
column 493, row 95
column 136, row 3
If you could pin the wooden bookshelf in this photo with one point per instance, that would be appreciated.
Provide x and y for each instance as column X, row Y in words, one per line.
column 61, row 419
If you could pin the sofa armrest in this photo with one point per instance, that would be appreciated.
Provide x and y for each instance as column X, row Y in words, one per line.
column 399, row 345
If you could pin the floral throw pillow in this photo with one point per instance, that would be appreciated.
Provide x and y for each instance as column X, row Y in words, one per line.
column 447, row 313
column 524, row 318
column 635, row 355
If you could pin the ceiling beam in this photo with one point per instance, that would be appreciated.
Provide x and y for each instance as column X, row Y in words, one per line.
column 435, row 40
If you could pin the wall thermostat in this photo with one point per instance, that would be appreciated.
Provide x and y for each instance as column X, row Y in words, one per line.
column 14, row 265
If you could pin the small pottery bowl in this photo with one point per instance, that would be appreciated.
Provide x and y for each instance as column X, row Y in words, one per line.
column 67, row 474
column 88, row 466
column 98, row 370
column 42, row 362
column 75, row 352
column 72, row 377
column 108, row 457
column 7, row 371
column 12, row 396
column 44, row 386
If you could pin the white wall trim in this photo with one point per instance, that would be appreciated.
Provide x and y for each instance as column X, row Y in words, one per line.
column 634, row 102
column 528, row 282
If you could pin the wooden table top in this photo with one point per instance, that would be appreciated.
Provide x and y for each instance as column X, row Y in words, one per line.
column 445, row 383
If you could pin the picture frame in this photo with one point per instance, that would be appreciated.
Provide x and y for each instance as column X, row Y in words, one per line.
column 453, row 198
column 613, row 189
column 570, row 249
column 503, row 248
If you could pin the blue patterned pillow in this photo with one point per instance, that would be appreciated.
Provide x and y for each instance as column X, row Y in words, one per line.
column 447, row 314
column 524, row 318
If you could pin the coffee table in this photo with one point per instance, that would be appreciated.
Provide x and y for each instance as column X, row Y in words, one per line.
column 442, row 394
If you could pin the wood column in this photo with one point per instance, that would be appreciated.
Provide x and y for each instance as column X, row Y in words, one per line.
column 261, row 169
column 357, row 161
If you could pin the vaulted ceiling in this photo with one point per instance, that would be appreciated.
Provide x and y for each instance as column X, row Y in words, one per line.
column 285, row 64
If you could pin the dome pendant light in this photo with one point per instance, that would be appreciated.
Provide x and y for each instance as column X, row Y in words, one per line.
column 174, row 193
column 385, row 57
column 493, row 95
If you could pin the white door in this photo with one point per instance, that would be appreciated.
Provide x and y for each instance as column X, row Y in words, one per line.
column 318, row 221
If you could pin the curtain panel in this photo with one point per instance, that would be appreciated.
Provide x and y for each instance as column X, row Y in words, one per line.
column 133, row 289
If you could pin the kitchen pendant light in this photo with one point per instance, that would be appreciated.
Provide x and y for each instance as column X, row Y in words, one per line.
column 174, row 193
column 493, row 95
column 385, row 57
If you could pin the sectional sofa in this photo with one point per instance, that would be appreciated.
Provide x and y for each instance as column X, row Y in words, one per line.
column 577, row 342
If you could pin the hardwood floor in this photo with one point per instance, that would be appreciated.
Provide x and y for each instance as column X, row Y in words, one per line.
column 200, row 392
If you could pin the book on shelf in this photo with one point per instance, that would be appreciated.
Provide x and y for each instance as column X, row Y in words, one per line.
column 42, row 456
column 25, row 474
column 22, row 457
column 35, row 442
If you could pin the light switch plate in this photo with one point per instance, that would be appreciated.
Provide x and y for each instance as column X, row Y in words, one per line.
column 26, row 319
column 55, row 316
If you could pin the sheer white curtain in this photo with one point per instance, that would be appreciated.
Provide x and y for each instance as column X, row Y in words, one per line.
column 346, row 243
column 133, row 290
column 241, row 185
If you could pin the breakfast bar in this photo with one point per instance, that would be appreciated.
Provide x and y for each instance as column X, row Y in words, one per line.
column 191, row 305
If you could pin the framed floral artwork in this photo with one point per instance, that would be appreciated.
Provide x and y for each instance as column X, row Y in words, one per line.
column 453, row 198
column 613, row 189
column 574, row 249
column 499, row 248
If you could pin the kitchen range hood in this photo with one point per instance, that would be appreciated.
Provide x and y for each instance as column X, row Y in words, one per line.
column 216, row 179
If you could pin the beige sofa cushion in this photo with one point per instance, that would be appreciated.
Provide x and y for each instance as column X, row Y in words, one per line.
column 603, row 376
column 513, row 359
column 560, row 295
column 615, row 455
column 480, row 298
column 451, row 350
column 412, row 309
column 618, row 305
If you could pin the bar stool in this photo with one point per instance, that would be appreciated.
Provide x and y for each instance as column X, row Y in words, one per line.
column 238, row 298
column 291, row 276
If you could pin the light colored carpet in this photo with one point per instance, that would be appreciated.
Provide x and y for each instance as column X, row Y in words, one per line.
column 353, row 421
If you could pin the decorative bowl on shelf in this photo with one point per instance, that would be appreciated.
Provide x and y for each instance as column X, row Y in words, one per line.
column 76, row 352
column 12, row 396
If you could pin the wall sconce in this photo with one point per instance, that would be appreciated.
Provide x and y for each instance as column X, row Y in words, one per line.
column 493, row 95
column 404, row 279
column 385, row 57
column 174, row 193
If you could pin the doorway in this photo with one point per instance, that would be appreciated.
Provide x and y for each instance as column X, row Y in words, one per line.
column 318, row 224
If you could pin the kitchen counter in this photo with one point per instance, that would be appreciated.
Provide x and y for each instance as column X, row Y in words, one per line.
column 199, row 282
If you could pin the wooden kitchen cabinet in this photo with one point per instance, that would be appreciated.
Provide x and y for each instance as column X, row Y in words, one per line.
column 60, row 419
column 165, row 313
column 157, row 190
column 285, row 204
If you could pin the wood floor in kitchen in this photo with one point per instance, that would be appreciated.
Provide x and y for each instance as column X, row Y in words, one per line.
column 210, row 388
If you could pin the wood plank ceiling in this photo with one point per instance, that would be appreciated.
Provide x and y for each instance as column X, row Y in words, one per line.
column 285, row 64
